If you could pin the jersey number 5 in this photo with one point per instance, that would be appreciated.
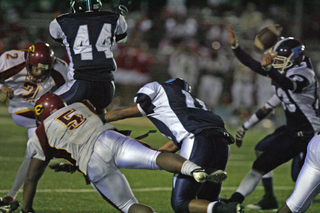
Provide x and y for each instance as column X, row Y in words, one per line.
column 82, row 44
column 72, row 122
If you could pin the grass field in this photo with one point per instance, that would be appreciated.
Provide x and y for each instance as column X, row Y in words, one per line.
column 67, row 193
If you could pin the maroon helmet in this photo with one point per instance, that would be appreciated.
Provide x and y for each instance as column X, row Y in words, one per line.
column 39, row 61
column 46, row 105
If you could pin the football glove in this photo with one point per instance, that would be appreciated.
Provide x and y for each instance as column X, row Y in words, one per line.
column 239, row 136
column 63, row 167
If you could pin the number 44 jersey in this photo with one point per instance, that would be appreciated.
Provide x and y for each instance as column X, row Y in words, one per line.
column 88, row 38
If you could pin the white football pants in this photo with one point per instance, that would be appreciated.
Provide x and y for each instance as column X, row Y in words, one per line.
column 112, row 152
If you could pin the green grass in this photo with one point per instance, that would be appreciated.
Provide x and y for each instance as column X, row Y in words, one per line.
column 67, row 193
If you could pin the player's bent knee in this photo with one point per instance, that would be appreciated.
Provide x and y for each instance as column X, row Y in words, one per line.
column 182, row 207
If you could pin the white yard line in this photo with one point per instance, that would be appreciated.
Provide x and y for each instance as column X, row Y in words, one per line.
column 138, row 189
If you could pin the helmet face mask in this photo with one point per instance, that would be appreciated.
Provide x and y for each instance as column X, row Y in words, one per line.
column 81, row 6
column 288, row 52
column 46, row 105
column 39, row 62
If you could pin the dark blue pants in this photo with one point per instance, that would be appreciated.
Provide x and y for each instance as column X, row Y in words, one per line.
column 278, row 148
column 100, row 94
column 207, row 153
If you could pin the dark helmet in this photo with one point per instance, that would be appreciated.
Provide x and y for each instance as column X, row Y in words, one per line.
column 180, row 83
column 81, row 6
column 46, row 105
column 39, row 61
column 289, row 52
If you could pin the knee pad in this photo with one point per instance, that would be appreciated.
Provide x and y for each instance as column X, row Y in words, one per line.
column 182, row 208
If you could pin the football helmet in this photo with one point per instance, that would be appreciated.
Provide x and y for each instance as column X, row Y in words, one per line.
column 180, row 83
column 81, row 6
column 39, row 61
column 288, row 52
column 46, row 105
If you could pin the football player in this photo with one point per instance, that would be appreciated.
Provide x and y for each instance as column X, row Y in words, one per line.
column 88, row 35
column 25, row 76
column 198, row 133
column 77, row 134
column 308, row 183
column 295, row 87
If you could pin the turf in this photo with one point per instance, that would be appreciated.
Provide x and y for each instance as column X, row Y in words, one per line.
column 68, row 193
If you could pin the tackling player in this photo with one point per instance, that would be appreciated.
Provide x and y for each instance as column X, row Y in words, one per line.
column 88, row 35
column 295, row 87
column 75, row 133
column 198, row 133
column 26, row 75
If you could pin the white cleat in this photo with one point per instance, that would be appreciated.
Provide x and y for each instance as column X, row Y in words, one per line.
column 217, row 176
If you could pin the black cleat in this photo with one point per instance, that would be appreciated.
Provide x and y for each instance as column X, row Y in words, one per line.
column 6, row 207
column 267, row 203
column 232, row 207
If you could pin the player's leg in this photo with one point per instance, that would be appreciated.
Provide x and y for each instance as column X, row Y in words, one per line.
column 115, row 189
column 271, row 158
column 269, row 200
column 307, row 186
column 22, row 171
column 112, row 185
column 104, row 97
column 212, row 153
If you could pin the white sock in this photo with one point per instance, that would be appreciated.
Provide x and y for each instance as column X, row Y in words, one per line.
column 210, row 206
column 188, row 167
column 249, row 183
column 268, row 175
column 20, row 177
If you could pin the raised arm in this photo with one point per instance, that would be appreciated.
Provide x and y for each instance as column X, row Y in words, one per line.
column 243, row 56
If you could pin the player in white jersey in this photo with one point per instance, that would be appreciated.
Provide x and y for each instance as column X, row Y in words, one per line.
column 77, row 134
column 197, row 132
column 26, row 75
column 296, row 88
column 308, row 183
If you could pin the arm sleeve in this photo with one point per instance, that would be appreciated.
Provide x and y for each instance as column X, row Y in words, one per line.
column 145, row 97
column 284, row 82
column 121, row 30
column 55, row 31
column 248, row 61
column 260, row 114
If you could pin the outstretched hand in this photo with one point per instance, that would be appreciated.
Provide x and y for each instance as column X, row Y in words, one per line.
column 267, row 59
column 231, row 36
column 7, row 91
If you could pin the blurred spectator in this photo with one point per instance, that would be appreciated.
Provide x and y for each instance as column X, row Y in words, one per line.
column 133, row 71
column 214, row 68
column 251, row 19
column 184, row 62
column 242, row 88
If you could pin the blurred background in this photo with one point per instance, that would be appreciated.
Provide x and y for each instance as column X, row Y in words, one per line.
column 182, row 38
